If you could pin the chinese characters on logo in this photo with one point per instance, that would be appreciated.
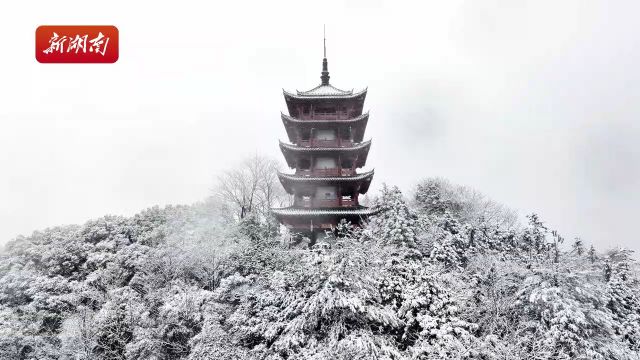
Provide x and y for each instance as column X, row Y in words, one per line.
column 77, row 44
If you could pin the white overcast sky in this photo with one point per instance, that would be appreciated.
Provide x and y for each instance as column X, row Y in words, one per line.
column 534, row 103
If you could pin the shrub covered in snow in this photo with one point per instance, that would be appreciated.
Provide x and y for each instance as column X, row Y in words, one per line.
column 448, row 275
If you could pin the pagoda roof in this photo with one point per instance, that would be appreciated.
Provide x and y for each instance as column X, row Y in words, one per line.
column 304, row 178
column 324, row 91
column 289, row 180
column 357, row 147
column 287, row 118
column 297, row 212
column 358, row 123
column 290, row 149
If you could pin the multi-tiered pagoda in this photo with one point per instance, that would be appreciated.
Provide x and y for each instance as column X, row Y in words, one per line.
column 325, row 126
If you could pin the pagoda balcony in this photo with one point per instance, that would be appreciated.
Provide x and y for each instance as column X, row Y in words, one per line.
column 326, row 203
column 340, row 115
column 334, row 143
column 327, row 172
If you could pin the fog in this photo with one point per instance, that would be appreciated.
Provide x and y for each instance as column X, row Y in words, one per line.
column 534, row 103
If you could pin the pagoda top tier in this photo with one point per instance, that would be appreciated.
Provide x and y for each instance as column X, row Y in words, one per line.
column 322, row 92
column 325, row 90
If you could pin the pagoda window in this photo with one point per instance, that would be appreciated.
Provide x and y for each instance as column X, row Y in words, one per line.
column 326, row 193
column 328, row 134
column 325, row 163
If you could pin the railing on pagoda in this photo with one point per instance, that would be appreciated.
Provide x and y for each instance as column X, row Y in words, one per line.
column 326, row 203
column 326, row 143
column 327, row 172
column 316, row 115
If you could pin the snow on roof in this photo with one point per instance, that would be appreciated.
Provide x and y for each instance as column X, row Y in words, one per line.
column 302, row 178
column 356, row 147
column 324, row 92
column 322, row 212
column 313, row 121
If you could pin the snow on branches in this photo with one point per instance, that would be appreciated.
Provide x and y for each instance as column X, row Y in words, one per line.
column 448, row 275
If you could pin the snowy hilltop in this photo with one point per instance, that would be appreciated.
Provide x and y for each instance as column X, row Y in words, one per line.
column 440, row 273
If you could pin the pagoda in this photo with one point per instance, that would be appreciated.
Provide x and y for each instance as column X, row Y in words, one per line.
column 325, row 127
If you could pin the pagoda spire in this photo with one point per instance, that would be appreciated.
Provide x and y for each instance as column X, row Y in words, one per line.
column 325, row 66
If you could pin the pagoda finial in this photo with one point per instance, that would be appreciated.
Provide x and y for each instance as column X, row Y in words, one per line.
column 324, row 39
column 325, row 66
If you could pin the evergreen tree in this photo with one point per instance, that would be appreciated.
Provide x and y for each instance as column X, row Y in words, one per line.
column 592, row 254
column 534, row 237
column 395, row 222
column 186, row 283
column 450, row 246
column 578, row 246
column 434, row 198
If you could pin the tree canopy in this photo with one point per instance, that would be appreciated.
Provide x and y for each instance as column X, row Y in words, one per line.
column 445, row 274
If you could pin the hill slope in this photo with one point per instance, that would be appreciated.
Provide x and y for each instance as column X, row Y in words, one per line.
column 448, row 275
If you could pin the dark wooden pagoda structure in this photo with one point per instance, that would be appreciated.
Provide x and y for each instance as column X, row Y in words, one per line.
column 325, row 126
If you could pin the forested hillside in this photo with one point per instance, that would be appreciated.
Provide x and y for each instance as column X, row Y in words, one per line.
column 440, row 273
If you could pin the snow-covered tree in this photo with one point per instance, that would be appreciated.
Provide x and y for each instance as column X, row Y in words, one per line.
column 450, row 243
column 435, row 196
column 395, row 222
column 436, row 278
column 534, row 237
column 251, row 187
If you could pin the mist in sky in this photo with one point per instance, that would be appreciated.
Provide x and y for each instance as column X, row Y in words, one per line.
column 534, row 103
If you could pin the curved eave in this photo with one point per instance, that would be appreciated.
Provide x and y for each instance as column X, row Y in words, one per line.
column 291, row 120
column 324, row 90
column 291, row 96
column 359, row 123
column 289, row 151
column 289, row 181
column 291, row 212
column 357, row 147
